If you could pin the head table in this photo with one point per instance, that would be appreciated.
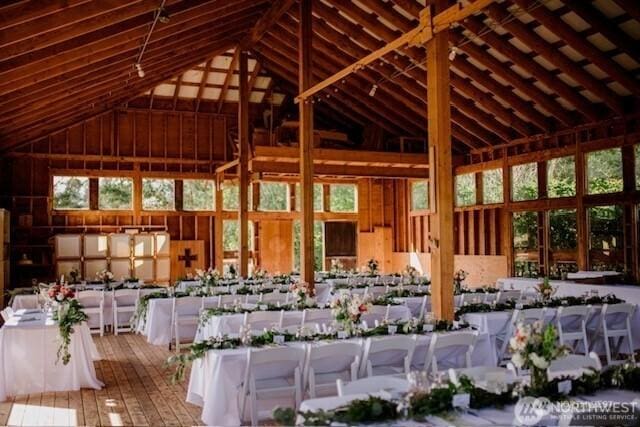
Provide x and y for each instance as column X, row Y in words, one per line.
column 28, row 344
column 215, row 383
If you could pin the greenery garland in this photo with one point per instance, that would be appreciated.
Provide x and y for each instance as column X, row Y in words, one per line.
column 140, row 315
column 418, row 405
column 69, row 315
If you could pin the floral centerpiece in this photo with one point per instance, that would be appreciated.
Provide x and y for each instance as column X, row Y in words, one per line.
column 68, row 314
column 411, row 274
column 337, row 267
column 260, row 274
column 545, row 290
column 347, row 309
column 75, row 275
column 207, row 278
column 301, row 292
column 372, row 267
column 104, row 276
column 459, row 277
column 534, row 348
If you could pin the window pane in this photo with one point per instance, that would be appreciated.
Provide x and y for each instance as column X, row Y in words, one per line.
column 230, row 197
column 563, row 236
column 343, row 197
column 70, row 192
column 317, row 197
column 561, row 177
column 525, row 243
column 198, row 195
column 492, row 186
column 638, row 167
column 231, row 235
column 318, row 245
column 274, row 196
column 604, row 171
column 115, row 193
column 466, row 189
column 158, row 194
column 524, row 182
column 606, row 238
column 420, row 195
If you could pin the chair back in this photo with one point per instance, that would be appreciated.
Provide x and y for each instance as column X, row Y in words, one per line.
column 387, row 352
column 372, row 385
column 450, row 350
column 209, row 302
column 529, row 316
column 275, row 297
column 126, row 297
column 377, row 314
column 574, row 366
column 505, row 296
column 90, row 299
column 335, row 359
column 259, row 320
column 229, row 300
column 187, row 306
column 278, row 362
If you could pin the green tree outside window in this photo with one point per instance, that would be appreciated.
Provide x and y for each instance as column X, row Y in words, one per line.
column 115, row 193
column 158, row 194
column 420, row 195
column 492, row 191
column 561, row 177
column 524, row 182
column 604, row 171
column 343, row 197
column 70, row 192
column 465, row 189
column 274, row 196
column 198, row 195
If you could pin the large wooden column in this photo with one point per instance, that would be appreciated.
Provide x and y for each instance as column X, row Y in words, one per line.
column 306, row 145
column 440, row 170
column 218, row 243
column 243, row 165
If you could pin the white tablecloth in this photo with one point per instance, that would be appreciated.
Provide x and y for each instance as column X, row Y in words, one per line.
column 629, row 293
column 158, row 326
column 28, row 357
column 28, row 301
column 215, row 383
column 31, row 302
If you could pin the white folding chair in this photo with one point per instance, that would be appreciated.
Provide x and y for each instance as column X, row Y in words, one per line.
column 125, row 302
column 228, row 300
column 479, row 374
column 92, row 303
column 272, row 373
column 275, row 297
column 316, row 318
column 574, row 366
column 454, row 344
column 571, row 324
column 505, row 296
column 257, row 321
column 376, row 291
column 527, row 316
column 424, row 307
column 372, row 385
column 209, row 302
column 327, row 363
column 615, row 325
column 185, row 314
column 390, row 355
column 376, row 315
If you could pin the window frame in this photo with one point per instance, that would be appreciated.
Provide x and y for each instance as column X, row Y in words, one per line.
column 150, row 178
column 213, row 198
column 133, row 192
column 53, row 195
column 355, row 198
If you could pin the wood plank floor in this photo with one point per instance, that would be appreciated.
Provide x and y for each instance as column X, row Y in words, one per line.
column 137, row 392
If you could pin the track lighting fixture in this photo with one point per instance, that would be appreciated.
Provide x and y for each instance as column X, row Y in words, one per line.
column 140, row 70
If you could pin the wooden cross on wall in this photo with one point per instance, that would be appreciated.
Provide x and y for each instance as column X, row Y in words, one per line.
column 187, row 257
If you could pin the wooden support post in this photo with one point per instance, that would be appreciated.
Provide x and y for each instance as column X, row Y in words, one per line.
column 581, row 211
column 440, row 171
column 243, row 165
column 306, row 146
column 218, row 244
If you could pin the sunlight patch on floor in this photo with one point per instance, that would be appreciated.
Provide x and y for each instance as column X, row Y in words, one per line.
column 36, row 415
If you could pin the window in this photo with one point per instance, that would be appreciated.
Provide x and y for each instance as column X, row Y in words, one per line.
column 561, row 177
column 115, row 193
column 492, row 186
column 342, row 198
column 230, row 197
column 466, row 189
column 318, row 245
column 606, row 238
column 524, row 182
column 318, row 197
column 158, row 194
column 198, row 195
column 231, row 235
column 525, row 243
column 604, row 171
column 563, row 242
column 70, row 192
column 420, row 195
column 638, row 167
column 274, row 196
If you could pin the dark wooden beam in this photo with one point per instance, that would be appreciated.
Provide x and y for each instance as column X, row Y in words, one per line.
column 227, row 79
column 203, row 82
column 631, row 7
column 243, row 160
column 271, row 16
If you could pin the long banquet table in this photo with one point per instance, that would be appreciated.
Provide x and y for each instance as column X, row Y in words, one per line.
column 28, row 345
column 215, row 383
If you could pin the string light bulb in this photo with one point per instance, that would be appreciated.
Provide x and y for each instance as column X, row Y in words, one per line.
column 163, row 15
column 372, row 92
column 140, row 70
column 452, row 53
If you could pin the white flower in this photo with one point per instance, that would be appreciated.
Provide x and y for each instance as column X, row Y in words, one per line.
column 538, row 361
column 517, row 360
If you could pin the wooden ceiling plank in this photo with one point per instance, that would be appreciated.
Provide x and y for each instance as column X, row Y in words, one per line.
column 527, row 36
column 203, row 82
column 277, row 9
column 631, row 7
column 583, row 46
column 227, row 79
column 582, row 104
column 24, row 11
column 176, row 91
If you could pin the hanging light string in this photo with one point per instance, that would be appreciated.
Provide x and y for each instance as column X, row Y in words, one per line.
column 159, row 12
column 491, row 26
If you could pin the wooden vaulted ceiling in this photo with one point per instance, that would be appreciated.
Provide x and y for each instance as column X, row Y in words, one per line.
column 522, row 67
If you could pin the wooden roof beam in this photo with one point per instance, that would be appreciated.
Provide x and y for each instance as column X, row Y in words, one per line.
column 271, row 16
column 580, row 44
column 499, row 14
column 203, row 82
column 22, row 12
column 631, row 7
column 582, row 104
column 227, row 79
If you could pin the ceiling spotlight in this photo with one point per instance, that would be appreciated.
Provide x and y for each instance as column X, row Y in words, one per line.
column 140, row 70
column 163, row 15
column 372, row 92
column 452, row 53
